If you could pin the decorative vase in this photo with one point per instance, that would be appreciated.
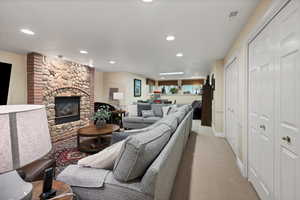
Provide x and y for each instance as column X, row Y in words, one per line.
column 100, row 123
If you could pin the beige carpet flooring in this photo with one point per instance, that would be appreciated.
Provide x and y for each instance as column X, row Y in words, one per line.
column 208, row 170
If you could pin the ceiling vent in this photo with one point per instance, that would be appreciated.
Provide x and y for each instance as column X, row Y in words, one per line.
column 233, row 14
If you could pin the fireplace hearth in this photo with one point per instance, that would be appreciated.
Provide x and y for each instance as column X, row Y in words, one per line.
column 67, row 109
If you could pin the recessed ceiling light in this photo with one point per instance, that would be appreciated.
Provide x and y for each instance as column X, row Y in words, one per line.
column 112, row 62
column 84, row 52
column 179, row 54
column 171, row 73
column 170, row 38
column 27, row 31
column 147, row 1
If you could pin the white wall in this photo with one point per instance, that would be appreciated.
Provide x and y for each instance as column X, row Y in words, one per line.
column 218, row 101
column 125, row 82
column 98, row 87
column 18, row 81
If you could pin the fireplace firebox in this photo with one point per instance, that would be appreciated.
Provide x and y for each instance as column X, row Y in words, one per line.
column 67, row 109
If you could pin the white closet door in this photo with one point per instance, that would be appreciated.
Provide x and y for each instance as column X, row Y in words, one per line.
column 231, row 105
column 261, row 115
column 288, row 173
column 274, row 107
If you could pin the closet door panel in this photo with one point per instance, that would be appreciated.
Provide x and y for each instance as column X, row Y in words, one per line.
column 289, row 177
column 262, row 114
column 288, row 125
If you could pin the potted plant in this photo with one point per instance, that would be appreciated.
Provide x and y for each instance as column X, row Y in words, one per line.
column 101, row 116
column 174, row 90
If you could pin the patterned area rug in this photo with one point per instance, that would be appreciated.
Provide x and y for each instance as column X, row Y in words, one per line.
column 65, row 153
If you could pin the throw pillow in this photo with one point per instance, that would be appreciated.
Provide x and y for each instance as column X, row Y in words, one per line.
column 139, row 151
column 173, row 109
column 166, row 110
column 147, row 113
column 104, row 159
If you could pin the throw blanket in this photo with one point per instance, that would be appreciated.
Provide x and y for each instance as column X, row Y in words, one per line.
column 83, row 177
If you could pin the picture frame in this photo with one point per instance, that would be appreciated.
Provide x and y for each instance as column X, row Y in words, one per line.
column 137, row 88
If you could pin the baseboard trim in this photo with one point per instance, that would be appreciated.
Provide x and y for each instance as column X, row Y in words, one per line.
column 218, row 134
column 240, row 166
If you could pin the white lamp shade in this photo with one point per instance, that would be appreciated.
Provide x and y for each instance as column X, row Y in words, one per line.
column 24, row 135
column 118, row 96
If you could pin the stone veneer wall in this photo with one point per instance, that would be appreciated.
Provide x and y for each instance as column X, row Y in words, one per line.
column 51, row 77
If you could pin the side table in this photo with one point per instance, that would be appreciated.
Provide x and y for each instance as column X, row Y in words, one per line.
column 121, row 114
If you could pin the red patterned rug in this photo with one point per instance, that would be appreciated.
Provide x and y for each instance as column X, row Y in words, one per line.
column 68, row 156
column 65, row 153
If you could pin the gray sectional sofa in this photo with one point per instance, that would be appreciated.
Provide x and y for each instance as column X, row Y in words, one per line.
column 145, row 168
column 138, row 121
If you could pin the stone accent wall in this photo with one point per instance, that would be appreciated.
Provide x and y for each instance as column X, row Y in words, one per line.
column 52, row 77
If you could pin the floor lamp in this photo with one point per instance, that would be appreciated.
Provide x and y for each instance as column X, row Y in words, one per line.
column 24, row 138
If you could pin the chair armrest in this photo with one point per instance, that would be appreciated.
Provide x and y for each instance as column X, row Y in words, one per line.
column 35, row 170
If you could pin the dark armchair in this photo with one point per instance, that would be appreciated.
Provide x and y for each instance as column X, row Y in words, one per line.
column 197, row 106
column 35, row 170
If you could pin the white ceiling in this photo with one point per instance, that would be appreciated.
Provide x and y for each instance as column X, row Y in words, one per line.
column 128, row 31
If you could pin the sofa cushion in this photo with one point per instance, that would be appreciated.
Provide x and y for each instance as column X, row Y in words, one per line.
column 180, row 114
column 173, row 109
column 183, row 109
column 157, row 109
column 147, row 113
column 142, row 106
column 135, row 119
column 139, row 151
column 171, row 121
column 151, row 120
column 122, row 135
column 105, row 159
column 118, row 136
column 83, row 177
column 166, row 110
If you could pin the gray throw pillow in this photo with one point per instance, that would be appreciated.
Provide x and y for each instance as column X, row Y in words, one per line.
column 142, row 106
column 139, row 151
column 157, row 109
column 171, row 121
column 147, row 113
column 173, row 110
column 180, row 114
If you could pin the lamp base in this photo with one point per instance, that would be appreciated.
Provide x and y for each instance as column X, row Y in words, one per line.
column 13, row 187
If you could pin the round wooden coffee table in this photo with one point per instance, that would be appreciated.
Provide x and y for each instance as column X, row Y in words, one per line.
column 94, row 145
column 60, row 187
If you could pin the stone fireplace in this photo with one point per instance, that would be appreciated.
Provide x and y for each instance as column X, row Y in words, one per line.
column 65, row 88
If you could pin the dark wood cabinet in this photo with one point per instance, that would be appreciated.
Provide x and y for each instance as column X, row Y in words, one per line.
column 207, row 96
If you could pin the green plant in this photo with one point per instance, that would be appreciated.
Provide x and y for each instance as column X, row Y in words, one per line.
column 173, row 90
column 102, row 114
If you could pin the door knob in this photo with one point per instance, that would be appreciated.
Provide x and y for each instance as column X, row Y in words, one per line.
column 287, row 139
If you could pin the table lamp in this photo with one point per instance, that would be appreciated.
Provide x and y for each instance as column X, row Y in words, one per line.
column 118, row 96
column 24, row 138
